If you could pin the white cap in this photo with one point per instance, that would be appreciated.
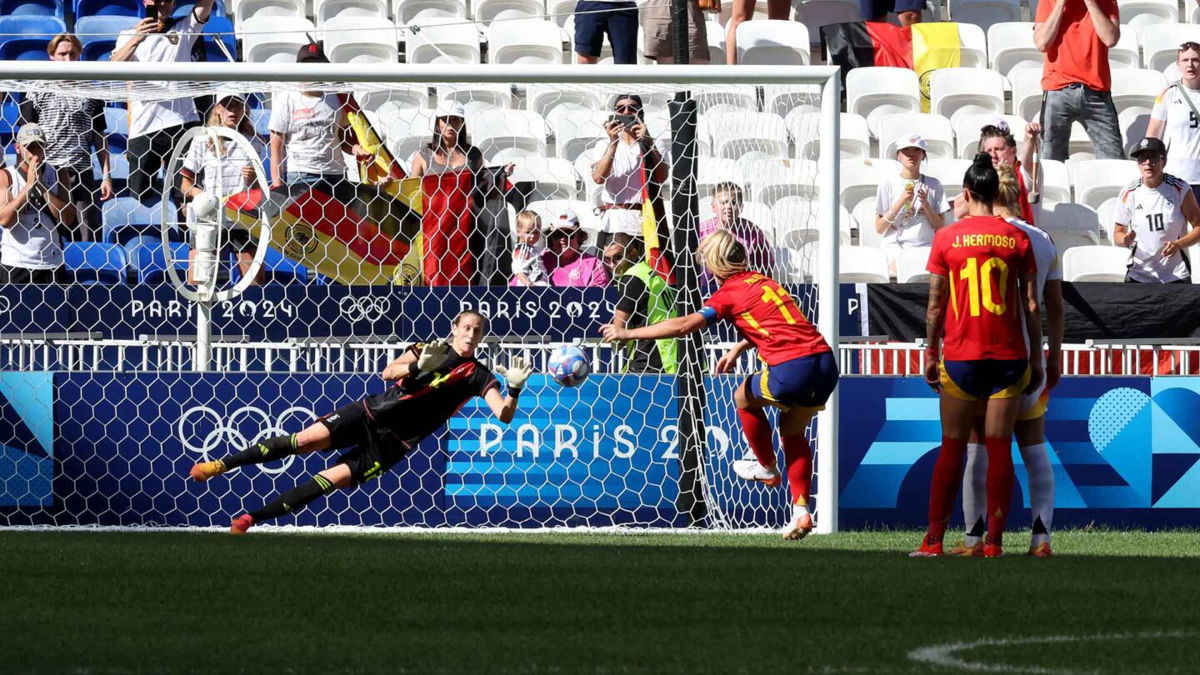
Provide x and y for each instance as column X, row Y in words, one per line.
column 567, row 220
column 450, row 108
column 230, row 92
column 911, row 141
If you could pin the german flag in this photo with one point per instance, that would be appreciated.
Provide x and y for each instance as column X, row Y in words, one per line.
column 924, row 47
column 382, row 167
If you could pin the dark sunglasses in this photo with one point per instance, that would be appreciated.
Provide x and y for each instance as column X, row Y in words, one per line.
column 1189, row 46
column 626, row 108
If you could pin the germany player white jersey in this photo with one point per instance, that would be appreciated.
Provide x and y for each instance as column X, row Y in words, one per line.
column 1181, row 131
column 1156, row 217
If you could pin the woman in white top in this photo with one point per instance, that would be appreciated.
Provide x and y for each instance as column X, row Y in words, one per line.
column 911, row 206
column 32, row 205
column 619, row 168
column 1153, row 216
column 206, row 159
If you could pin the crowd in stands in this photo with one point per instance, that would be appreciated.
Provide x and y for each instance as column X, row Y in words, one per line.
column 63, row 166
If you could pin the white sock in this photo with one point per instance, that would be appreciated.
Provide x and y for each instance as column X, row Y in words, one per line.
column 1041, row 491
column 975, row 493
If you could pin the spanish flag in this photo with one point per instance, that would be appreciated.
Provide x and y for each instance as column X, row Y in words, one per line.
column 924, row 47
column 654, row 229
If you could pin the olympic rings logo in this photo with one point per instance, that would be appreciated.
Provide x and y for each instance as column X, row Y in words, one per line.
column 366, row 308
column 210, row 434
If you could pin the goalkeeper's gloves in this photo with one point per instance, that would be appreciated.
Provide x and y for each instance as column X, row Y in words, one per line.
column 515, row 374
column 433, row 355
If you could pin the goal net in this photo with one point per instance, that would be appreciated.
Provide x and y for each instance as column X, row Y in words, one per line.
column 201, row 257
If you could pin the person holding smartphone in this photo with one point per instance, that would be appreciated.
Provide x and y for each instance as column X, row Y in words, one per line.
column 626, row 160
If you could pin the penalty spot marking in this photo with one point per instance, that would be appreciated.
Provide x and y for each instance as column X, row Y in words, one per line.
column 946, row 655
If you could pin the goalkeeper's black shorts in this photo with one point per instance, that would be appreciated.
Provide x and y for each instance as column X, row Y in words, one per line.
column 373, row 449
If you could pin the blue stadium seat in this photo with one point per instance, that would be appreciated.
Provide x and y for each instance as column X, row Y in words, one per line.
column 10, row 119
column 99, row 34
column 31, row 8
column 116, row 125
column 85, row 8
column 126, row 218
column 278, row 269
column 218, row 10
column 94, row 262
column 220, row 29
column 149, row 258
column 24, row 38
column 261, row 117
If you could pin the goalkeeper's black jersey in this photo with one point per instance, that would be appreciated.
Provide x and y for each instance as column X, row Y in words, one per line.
column 419, row 405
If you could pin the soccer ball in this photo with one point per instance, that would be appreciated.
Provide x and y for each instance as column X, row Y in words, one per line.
column 569, row 366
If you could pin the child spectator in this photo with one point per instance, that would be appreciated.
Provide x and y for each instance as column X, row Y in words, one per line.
column 527, row 265
column 910, row 206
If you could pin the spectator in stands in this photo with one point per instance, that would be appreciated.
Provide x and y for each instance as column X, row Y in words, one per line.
column 727, row 215
column 155, row 127
column 616, row 18
column 568, row 264
column 1153, row 217
column 32, row 207
column 73, row 126
column 1176, row 118
column 743, row 10
column 645, row 299
column 659, row 33
column 1076, row 35
column 626, row 159
column 222, row 167
column 528, row 266
column 909, row 207
column 907, row 12
column 996, row 139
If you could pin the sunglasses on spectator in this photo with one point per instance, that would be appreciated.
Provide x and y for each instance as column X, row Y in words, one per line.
column 1189, row 46
column 1152, row 159
column 626, row 108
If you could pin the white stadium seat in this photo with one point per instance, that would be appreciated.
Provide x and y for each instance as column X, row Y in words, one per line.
column 877, row 92
column 1010, row 46
column 274, row 39
column 249, row 9
column 1056, row 182
column 324, row 10
column 862, row 265
column 486, row 11
column 804, row 127
column 935, row 129
column 405, row 130
column 1095, row 263
column 816, row 13
column 551, row 209
column 737, row 98
column 795, row 221
column 784, row 100
column 1026, row 93
column 1098, row 179
column 910, row 265
column 713, row 170
column 1160, row 44
column 715, row 33
column 949, row 173
column 525, row 42
column 519, row 130
column 1070, row 225
column 973, row 53
column 1107, row 216
column 967, row 128
column 409, row 12
column 859, row 181
column 398, row 97
column 1125, row 54
column 1137, row 14
column 966, row 91
column 772, row 43
column 985, row 13
column 476, row 97
column 770, row 180
column 552, row 177
column 1133, row 127
column 1136, row 88
column 577, row 131
column 735, row 135
column 443, row 40
column 865, row 216
column 358, row 40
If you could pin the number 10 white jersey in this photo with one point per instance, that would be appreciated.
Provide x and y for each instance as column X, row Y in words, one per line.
column 1156, row 216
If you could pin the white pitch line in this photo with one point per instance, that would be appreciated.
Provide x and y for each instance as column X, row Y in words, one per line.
column 946, row 655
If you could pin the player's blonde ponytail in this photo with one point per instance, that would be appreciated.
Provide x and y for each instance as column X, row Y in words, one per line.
column 723, row 255
column 1009, row 196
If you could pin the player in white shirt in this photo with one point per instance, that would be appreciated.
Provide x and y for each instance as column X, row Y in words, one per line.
column 628, row 148
column 32, row 205
column 1176, row 118
column 155, row 127
column 909, row 207
column 1153, row 217
column 1030, row 428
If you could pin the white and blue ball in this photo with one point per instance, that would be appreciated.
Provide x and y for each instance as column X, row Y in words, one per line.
column 569, row 366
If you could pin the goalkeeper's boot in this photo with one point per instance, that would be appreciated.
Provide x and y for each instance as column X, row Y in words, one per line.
column 750, row 469
column 1040, row 551
column 928, row 550
column 241, row 524
column 964, row 550
column 205, row 470
column 800, row 525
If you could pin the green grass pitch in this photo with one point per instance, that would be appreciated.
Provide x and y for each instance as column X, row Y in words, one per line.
column 178, row 602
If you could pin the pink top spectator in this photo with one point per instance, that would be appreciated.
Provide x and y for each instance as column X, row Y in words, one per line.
column 587, row 270
column 762, row 259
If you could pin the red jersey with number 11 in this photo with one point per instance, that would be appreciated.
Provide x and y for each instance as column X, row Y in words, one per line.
column 983, row 259
column 766, row 316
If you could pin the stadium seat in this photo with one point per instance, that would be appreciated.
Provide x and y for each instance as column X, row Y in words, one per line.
column 985, row 13
column 443, row 41
column 1094, row 263
column 715, row 33
column 219, row 29
column 804, row 128
column 1138, row 14
column 351, row 39
column 576, row 131
column 149, row 258
column 784, row 100
column 116, row 129
column 486, row 11
column 794, row 220
column 1010, row 46
column 772, row 179
column 495, row 130
column 1106, row 214
column 864, row 214
column 1056, row 182
column 401, row 96
column 525, row 42
column 10, row 119
column 772, row 43
column 324, row 10
column 741, row 97
column 949, row 173
column 95, row 262
column 966, row 91
column 478, row 97
column 1133, row 127
column 560, row 11
column 1160, row 44
column 552, row 102
column 404, row 130
column 1098, row 179
column 713, row 170
column 935, row 129
column 552, row 177
column 125, row 218
column 1070, row 225
column 1026, row 92
column 31, row 8
column 735, row 135
column 413, row 12
column 98, row 34
column 274, row 39
column 276, row 269
column 1136, row 88
column 910, row 265
column 877, row 92
column 82, row 8
column 24, row 37
column 1125, row 54
column 859, row 180
column 973, row 52
column 551, row 209
column 967, row 128
column 816, row 13
column 245, row 10
column 862, row 265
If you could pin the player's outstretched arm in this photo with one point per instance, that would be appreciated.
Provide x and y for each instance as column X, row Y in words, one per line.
column 399, row 367
column 515, row 375
column 676, row 327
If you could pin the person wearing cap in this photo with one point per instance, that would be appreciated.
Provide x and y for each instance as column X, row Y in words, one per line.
column 73, row 127
column 1176, row 118
column 32, row 207
column 565, row 258
column 911, row 206
column 155, row 127
column 309, row 132
column 626, row 159
column 997, row 141
column 221, row 168
column 1152, row 217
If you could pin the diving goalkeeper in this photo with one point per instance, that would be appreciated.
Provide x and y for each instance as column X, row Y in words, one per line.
column 433, row 381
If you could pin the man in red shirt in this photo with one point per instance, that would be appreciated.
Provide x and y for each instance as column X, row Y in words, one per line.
column 984, row 269
column 1076, row 35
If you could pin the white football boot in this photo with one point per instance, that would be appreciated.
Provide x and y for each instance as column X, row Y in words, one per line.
column 750, row 469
